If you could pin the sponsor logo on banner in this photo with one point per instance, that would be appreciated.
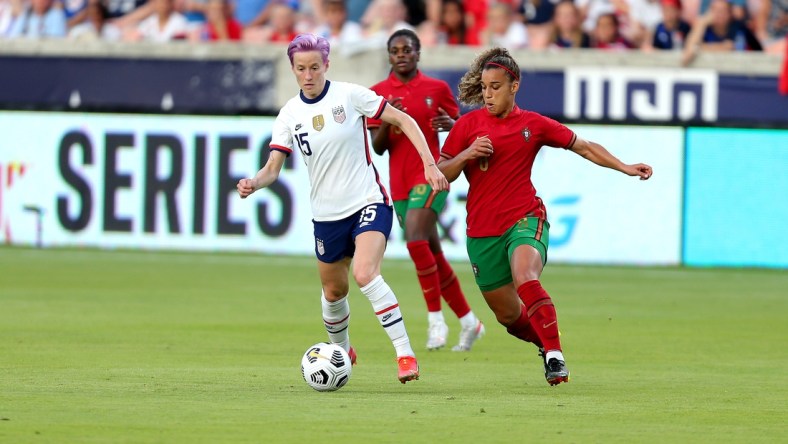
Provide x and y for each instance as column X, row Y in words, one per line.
column 647, row 94
column 339, row 113
column 318, row 123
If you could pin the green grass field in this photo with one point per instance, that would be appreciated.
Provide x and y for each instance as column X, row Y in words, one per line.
column 102, row 346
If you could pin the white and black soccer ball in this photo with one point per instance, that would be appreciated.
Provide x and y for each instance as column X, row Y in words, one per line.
column 326, row 367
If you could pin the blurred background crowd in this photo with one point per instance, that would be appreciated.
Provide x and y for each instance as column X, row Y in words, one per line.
column 360, row 25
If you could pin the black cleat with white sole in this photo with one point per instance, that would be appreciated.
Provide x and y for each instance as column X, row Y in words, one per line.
column 555, row 371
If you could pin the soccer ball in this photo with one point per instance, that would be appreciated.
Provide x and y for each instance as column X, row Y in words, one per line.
column 326, row 367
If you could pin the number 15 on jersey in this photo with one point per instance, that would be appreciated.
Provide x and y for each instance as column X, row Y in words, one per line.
column 303, row 144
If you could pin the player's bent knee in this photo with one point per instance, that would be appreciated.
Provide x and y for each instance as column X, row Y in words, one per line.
column 365, row 275
column 335, row 293
column 506, row 320
column 507, row 317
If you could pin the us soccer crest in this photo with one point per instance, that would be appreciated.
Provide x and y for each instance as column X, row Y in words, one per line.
column 527, row 134
column 320, row 248
column 428, row 101
column 318, row 123
column 339, row 113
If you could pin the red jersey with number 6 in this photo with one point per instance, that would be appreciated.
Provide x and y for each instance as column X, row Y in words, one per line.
column 500, row 190
column 421, row 98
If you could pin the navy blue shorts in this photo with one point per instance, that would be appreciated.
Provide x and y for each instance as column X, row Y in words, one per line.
column 336, row 239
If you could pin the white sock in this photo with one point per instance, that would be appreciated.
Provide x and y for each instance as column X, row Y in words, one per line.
column 435, row 317
column 554, row 354
column 469, row 320
column 336, row 317
column 384, row 302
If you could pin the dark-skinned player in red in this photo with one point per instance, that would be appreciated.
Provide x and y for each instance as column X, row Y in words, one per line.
column 432, row 105
column 508, row 232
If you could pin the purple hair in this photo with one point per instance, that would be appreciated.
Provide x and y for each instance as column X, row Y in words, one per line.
column 308, row 42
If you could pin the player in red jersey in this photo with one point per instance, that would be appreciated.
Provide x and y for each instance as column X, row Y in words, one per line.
column 507, row 223
column 432, row 105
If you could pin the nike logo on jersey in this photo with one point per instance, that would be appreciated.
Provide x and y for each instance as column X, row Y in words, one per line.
column 298, row 127
column 363, row 224
column 549, row 324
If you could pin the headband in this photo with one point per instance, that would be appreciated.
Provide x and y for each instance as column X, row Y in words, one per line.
column 516, row 77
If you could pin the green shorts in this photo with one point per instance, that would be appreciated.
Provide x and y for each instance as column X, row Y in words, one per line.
column 420, row 196
column 490, row 256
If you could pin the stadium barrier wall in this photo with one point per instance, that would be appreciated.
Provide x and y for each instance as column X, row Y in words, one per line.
column 581, row 85
column 155, row 182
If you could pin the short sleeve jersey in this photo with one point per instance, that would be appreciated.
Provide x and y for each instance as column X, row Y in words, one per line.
column 500, row 190
column 331, row 133
column 422, row 96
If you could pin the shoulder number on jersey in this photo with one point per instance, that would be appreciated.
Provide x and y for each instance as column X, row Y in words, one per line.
column 303, row 144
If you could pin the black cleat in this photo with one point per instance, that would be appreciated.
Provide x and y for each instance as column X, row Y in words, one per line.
column 555, row 371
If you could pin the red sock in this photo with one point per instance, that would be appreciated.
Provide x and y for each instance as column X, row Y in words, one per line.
column 427, row 271
column 522, row 329
column 541, row 313
column 450, row 287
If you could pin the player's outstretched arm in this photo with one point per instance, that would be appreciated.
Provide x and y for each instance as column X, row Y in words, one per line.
column 408, row 126
column 599, row 155
column 266, row 176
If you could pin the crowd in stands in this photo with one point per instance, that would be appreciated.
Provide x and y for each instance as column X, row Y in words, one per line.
column 351, row 26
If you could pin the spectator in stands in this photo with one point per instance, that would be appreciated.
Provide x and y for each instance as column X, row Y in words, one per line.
column 381, row 19
column 718, row 31
column 566, row 29
column 95, row 27
column 462, row 21
column 642, row 18
column 672, row 32
column 356, row 9
column 9, row 11
column 383, row 15
column 76, row 11
column 738, row 9
column 251, row 12
column 220, row 25
column 607, row 35
column 772, row 25
column 254, row 13
column 164, row 25
column 126, row 14
column 453, row 27
column 590, row 10
column 40, row 19
column 415, row 13
column 336, row 28
column 538, row 16
column 502, row 30
column 194, row 11
column 281, row 27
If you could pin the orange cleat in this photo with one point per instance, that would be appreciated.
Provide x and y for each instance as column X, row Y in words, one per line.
column 408, row 368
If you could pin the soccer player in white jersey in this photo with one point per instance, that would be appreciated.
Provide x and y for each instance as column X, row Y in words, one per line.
column 351, row 208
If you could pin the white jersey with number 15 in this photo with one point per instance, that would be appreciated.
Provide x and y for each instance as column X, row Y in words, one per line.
column 331, row 133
